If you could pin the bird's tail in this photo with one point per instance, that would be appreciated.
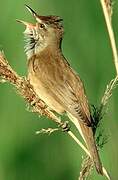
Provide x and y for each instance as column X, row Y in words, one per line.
column 87, row 134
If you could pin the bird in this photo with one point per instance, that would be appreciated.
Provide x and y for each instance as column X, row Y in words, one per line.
column 54, row 80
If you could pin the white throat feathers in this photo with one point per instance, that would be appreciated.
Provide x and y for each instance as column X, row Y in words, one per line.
column 34, row 42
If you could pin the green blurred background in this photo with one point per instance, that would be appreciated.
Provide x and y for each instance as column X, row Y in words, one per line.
column 24, row 155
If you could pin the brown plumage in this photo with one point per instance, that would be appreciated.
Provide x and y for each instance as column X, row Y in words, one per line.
column 54, row 81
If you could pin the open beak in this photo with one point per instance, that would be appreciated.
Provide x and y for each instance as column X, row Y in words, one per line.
column 37, row 17
column 28, row 25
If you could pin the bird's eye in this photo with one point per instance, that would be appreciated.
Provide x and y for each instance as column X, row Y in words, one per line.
column 42, row 26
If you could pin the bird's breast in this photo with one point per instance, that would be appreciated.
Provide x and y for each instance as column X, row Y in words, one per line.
column 44, row 92
column 46, row 76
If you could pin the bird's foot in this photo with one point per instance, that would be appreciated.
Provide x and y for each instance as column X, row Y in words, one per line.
column 48, row 131
column 65, row 126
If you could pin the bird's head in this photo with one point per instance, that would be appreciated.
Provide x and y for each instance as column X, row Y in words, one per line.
column 47, row 31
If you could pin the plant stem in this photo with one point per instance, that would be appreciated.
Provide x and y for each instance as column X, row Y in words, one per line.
column 111, row 33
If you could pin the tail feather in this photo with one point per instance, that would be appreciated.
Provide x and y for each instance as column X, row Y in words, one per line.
column 87, row 134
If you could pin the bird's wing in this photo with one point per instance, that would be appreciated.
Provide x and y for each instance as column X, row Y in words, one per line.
column 73, row 97
column 68, row 88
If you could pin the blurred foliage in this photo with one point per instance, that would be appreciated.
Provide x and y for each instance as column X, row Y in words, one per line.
column 23, row 155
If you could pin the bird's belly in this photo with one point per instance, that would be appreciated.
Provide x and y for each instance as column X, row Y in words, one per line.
column 45, row 94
